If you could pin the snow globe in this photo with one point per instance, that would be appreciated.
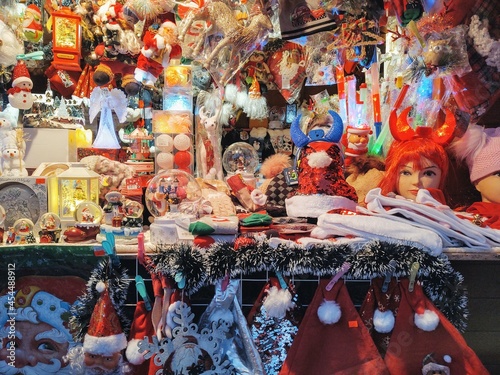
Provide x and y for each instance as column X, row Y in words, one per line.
column 241, row 158
column 173, row 198
column 50, row 228
column 88, row 216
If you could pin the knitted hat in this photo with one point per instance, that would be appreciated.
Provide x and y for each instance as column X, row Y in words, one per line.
column 437, row 336
column 20, row 74
column 346, row 346
column 104, row 335
column 480, row 147
column 321, row 183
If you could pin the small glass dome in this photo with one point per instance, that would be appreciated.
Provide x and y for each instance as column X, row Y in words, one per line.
column 173, row 191
column 240, row 157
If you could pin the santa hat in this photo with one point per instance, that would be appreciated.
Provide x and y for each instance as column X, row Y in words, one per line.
column 142, row 326
column 35, row 10
column 346, row 346
column 321, row 183
column 104, row 335
column 480, row 148
column 436, row 335
column 20, row 74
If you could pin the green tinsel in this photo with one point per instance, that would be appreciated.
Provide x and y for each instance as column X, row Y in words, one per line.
column 200, row 267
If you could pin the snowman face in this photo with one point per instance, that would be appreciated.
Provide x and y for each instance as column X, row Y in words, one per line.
column 26, row 85
column 10, row 153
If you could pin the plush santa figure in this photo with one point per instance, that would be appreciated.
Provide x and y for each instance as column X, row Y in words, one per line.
column 20, row 94
column 32, row 23
column 160, row 45
column 321, row 183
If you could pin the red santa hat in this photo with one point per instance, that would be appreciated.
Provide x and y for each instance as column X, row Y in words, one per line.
column 20, row 74
column 321, row 183
column 104, row 336
column 427, row 331
column 142, row 326
column 347, row 338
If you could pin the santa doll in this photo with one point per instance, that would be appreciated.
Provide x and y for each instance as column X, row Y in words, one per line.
column 160, row 45
column 480, row 148
column 20, row 94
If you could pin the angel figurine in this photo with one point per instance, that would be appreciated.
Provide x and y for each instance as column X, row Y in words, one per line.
column 104, row 100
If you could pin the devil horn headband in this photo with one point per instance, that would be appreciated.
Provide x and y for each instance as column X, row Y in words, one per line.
column 402, row 131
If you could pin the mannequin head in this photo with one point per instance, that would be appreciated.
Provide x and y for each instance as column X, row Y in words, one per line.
column 480, row 148
column 418, row 163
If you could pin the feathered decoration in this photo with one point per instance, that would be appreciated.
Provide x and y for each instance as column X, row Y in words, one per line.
column 104, row 100
column 117, row 279
column 10, row 47
column 442, row 284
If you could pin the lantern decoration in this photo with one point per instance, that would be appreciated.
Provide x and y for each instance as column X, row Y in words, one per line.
column 70, row 188
column 66, row 34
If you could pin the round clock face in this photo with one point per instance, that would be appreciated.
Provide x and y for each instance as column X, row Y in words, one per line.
column 19, row 202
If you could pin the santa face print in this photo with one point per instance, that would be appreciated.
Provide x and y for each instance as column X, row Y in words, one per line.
column 411, row 179
column 489, row 187
column 36, row 348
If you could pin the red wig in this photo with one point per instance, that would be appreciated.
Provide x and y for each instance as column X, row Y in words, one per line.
column 412, row 151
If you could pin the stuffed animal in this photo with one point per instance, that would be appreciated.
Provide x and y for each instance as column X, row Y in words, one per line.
column 13, row 150
column 160, row 44
column 114, row 174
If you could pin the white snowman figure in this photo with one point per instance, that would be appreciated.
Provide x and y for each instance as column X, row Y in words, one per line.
column 20, row 94
column 13, row 150
column 8, row 122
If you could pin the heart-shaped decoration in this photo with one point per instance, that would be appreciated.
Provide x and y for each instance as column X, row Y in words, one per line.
column 288, row 67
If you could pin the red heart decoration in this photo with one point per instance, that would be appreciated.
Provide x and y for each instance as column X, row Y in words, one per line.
column 288, row 66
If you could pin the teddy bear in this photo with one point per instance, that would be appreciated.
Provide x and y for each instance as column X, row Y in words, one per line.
column 113, row 173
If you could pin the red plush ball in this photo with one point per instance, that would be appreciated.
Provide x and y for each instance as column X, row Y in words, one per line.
column 183, row 159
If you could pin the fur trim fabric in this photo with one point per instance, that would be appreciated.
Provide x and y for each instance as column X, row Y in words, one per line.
column 132, row 352
column 317, row 204
column 383, row 321
column 106, row 346
column 329, row 312
column 278, row 302
column 428, row 321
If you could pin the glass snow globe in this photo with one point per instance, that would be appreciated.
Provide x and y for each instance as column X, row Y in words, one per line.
column 241, row 158
column 173, row 198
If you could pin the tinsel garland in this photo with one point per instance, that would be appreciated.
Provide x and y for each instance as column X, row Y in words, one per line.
column 117, row 280
column 442, row 284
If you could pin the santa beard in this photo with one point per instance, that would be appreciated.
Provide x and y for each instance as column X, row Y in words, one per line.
column 39, row 369
column 75, row 358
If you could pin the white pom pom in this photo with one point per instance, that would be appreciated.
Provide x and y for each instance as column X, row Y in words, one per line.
column 241, row 99
column 319, row 159
column 100, row 287
column 428, row 321
column 383, row 321
column 329, row 312
column 278, row 302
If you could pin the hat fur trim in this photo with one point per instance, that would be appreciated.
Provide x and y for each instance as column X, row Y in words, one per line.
column 132, row 353
column 316, row 204
column 383, row 321
column 106, row 345
column 427, row 321
column 329, row 312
